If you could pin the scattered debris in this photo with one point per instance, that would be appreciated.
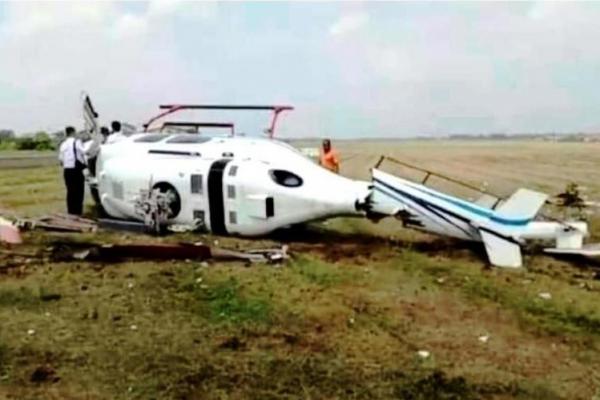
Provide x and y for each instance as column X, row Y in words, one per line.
column 50, row 296
column 59, row 223
column 259, row 255
column 571, row 197
column 17, row 261
column 9, row 233
column 198, row 226
column 64, row 251
column 484, row 338
column 117, row 252
column 545, row 296
column 423, row 354
column 44, row 373
column 183, row 251
column 232, row 343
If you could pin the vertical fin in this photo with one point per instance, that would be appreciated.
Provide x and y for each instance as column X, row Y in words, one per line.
column 523, row 203
column 501, row 251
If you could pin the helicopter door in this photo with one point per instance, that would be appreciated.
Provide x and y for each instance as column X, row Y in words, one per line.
column 215, row 197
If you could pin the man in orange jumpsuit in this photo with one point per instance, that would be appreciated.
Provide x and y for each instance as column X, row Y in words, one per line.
column 329, row 157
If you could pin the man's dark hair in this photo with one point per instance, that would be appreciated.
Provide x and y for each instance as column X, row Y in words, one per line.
column 116, row 126
column 69, row 131
column 104, row 131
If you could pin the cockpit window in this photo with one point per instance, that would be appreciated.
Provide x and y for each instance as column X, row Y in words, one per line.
column 150, row 138
column 285, row 178
column 188, row 138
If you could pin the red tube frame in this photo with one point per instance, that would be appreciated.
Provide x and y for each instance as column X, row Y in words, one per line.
column 172, row 108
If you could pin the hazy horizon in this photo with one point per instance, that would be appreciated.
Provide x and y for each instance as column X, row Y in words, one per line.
column 368, row 70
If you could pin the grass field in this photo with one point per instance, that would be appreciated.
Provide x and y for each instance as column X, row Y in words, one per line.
column 345, row 319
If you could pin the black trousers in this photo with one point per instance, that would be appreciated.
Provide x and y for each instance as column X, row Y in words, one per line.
column 75, row 183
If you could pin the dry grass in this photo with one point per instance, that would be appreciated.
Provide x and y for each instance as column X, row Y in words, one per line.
column 345, row 319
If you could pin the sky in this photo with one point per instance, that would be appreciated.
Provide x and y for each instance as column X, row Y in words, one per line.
column 350, row 69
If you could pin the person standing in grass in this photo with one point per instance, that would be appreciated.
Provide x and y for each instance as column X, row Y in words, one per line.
column 72, row 158
column 329, row 158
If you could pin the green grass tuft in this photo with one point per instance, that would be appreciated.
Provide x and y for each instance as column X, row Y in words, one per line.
column 317, row 272
column 549, row 316
column 21, row 297
column 226, row 303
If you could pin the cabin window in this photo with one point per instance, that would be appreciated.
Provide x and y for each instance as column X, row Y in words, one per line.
column 188, row 138
column 285, row 178
column 196, row 183
column 232, row 217
column 199, row 215
column 151, row 138
column 233, row 170
column 230, row 192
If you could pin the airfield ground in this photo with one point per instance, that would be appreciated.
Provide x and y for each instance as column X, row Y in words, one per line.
column 345, row 319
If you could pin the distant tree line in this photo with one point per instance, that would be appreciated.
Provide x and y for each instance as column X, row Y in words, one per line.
column 556, row 137
column 37, row 141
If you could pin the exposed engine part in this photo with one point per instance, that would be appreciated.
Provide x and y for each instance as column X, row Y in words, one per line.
column 157, row 206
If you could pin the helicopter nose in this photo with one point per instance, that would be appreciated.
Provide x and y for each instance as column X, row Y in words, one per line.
column 261, row 198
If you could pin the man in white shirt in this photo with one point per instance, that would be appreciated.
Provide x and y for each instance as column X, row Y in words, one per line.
column 72, row 158
column 116, row 135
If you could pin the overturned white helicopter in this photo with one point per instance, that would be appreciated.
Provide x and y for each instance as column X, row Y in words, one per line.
column 253, row 186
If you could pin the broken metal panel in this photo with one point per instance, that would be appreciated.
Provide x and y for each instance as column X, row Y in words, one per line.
column 273, row 255
column 58, row 223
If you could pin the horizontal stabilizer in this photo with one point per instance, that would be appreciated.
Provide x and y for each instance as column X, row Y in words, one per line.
column 524, row 203
column 589, row 250
column 501, row 251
